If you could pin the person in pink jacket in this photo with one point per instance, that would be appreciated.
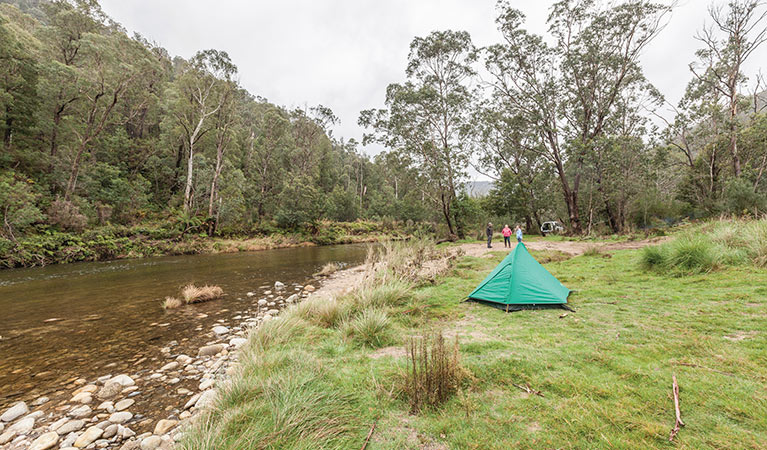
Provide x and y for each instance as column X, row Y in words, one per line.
column 506, row 236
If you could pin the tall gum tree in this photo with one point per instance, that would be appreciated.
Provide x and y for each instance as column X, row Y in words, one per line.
column 428, row 116
column 569, row 89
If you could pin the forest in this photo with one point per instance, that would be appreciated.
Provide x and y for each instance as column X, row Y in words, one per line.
column 102, row 130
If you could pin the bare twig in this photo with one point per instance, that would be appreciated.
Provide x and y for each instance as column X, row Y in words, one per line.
column 528, row 389
column 367, row 439
column 678, row 423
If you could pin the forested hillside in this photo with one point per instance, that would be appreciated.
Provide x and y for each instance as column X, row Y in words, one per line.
column 102, row 128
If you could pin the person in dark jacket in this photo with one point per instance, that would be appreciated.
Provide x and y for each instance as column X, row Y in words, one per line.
column 489, row 232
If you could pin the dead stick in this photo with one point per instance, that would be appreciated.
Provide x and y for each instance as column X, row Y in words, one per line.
column 528, row 389
column 367, row 439
column 678, row 423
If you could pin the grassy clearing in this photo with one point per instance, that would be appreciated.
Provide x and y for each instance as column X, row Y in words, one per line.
column 604, row 371
column 709, row 247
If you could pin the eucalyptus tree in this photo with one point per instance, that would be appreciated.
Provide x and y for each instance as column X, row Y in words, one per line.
column 428, row 116
column 728, row 43
column 569, row 89
column 196, row 96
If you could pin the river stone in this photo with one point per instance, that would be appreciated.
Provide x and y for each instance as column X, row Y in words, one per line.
column 90, row 388
column 110, row 431
column 45, row 441
column 79, row 412
column 309, row 288
column 14, row 412
column 40, row 401
column 90, row 435
column 54, row 426
column 192, row 401
column 124, row 404
column 237, row 342
column 69, row 440
column 120, row 417
column 279, row 285
column 292, row 298
column 109, row 390
column 23, row 426
column 206, row 384
column 262, row 302
column 206, row 398
column 183, row 359
column 170, row 366
column 164, row 425
column 124, row 380
column 107, row 406
column 131, row 445
column 6, row 437
column 82, row 397
column 126, row 432
column 70, row 426
column 220, row 330
column 210, row 350
column 151, row 442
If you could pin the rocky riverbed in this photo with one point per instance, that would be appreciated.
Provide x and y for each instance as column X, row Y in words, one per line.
column 107, row 412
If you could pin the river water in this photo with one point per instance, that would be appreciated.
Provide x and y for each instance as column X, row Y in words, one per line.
column 60, row 323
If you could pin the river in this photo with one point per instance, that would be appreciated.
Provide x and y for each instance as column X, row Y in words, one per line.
column 85, row 320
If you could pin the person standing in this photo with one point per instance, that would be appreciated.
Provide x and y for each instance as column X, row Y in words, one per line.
column 489, row 232
column 519, row 234
column 506, row 236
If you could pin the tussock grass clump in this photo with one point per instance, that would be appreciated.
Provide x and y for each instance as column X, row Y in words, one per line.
column 323, row 312
column 328, row 270
column 171, row 303
column 592, row 250
column 276, row 332
column 194, row 294
column 403, row 260
column 371, row 328
column 393, row 293
column 434, row 372
column 706, row 248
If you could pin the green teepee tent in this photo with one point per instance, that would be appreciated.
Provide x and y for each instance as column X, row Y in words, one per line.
column 520, row 281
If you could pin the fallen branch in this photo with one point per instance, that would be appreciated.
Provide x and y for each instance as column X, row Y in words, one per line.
column 367, row 439
column 528, row 389
column 678, row 423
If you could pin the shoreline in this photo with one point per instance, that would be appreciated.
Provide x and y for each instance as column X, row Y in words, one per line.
column 99, row 410
column 170, row 247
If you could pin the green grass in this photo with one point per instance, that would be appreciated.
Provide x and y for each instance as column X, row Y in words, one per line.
column 604, row 371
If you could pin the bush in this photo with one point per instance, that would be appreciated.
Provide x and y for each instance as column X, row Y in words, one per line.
column 434, row 372
column 66, row 215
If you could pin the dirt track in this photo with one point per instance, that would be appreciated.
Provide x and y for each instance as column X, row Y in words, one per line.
column 570, row 247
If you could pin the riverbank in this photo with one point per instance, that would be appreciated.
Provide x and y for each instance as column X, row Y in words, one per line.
column 147, row 407
column 329, row 374
column 116, row 242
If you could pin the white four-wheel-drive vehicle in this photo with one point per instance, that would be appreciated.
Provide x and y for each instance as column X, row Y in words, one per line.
column 552, row 227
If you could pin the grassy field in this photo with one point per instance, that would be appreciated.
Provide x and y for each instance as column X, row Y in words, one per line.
column 321, row 376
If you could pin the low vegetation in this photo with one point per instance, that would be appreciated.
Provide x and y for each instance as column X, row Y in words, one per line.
column 434, row 372
column 709, row 247
column 171, row 303
column 194, row 294
column 327, row 270
column 599, row 378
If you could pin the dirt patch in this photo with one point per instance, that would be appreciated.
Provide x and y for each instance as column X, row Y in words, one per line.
column 533, row 427
column 393, row 352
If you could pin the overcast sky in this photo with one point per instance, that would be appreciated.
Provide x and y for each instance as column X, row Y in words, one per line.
column 343, row 53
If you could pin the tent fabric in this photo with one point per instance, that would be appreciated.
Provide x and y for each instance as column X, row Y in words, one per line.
column 520, row 280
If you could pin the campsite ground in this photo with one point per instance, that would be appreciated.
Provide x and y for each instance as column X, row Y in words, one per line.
column 604, row 372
